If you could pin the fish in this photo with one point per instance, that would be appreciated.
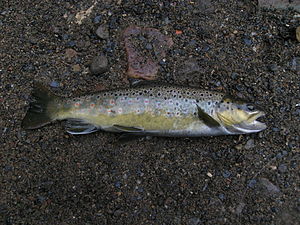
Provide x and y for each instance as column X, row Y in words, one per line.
column 151, row 110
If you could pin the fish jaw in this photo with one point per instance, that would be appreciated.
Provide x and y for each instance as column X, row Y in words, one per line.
column 250, row 126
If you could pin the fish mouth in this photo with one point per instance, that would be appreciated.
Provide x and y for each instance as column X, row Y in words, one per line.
column 252, row 125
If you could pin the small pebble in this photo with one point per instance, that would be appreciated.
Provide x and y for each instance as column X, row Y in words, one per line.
column 240, row 208
column 282, row 168
column 209, row 174
column 234, row 76
column 194, row 221
column 239, row 87
column 149, row 46
column 252, row 183
column 65, row 37
column 71, row 44
column 54, row 84
column 273, row 67
column 226, row 174
column 247, row 41
column 99, row 65
column 249, row 144
column 70, row 53
column 118, row 184
column 102, row 32
column 76, row 68
column 97, row 19
column 221, row 196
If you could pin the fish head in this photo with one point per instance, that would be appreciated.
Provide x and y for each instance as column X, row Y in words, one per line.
column 239, row 117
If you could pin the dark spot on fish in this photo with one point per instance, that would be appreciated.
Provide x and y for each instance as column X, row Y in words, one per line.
column 180, row 96
column 158, row 94
column 197, row 100
column 98, row 96
column 141, row 93
column 208, row 103
column 202, row 94
column 227, row 108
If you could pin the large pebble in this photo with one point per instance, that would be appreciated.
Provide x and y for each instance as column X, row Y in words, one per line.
column 102, row 32
column 145, row 48
column 99, row 65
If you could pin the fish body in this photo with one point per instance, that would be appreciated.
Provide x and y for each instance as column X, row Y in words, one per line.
column 154, row 110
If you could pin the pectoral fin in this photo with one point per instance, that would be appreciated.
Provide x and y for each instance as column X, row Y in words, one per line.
column 207, row 119
column 77, row 126
column 127, row 129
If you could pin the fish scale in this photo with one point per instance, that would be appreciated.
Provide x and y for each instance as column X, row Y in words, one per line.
column 154, row 110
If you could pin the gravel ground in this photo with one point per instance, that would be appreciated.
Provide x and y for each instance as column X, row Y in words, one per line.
column 50, row 177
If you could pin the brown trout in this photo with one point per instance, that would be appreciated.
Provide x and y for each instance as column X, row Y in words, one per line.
column 153, row 110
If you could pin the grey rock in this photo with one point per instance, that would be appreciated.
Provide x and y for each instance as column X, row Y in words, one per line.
column 249, row 144
column 99, row 65
column 102, row 32
column 268, row 187
column 282, row 168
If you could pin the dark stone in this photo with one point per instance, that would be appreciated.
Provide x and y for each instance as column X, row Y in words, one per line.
column 99, row 65
column 226, row 174
column 102, row 32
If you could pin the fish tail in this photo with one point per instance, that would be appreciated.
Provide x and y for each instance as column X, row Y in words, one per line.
column 42, row 109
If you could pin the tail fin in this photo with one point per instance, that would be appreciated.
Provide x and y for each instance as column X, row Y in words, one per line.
column 39, row 112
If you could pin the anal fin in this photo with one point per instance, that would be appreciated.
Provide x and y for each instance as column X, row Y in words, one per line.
column 78, row 126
